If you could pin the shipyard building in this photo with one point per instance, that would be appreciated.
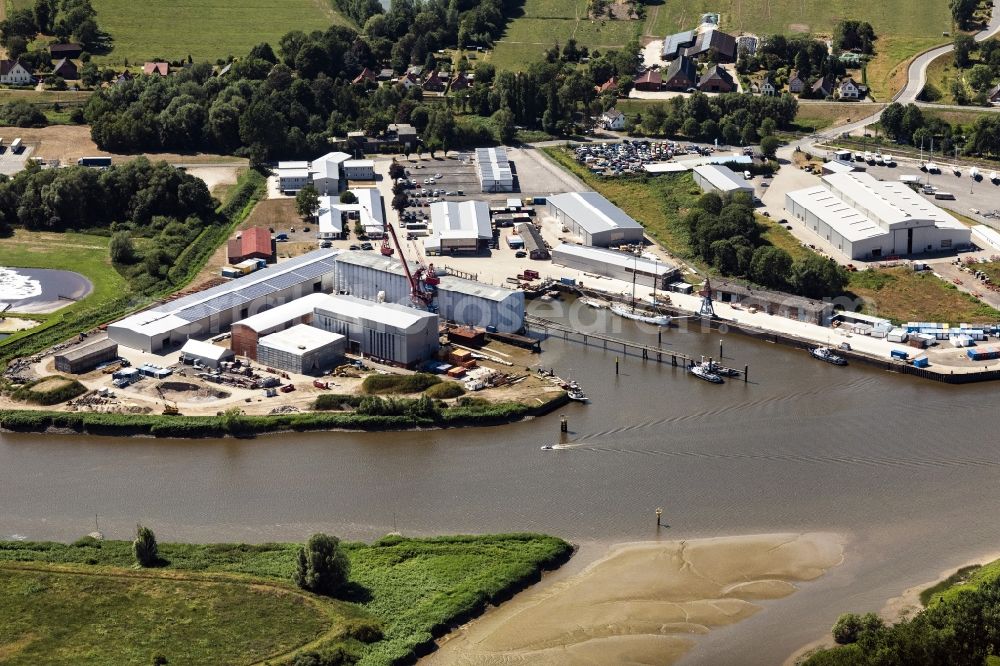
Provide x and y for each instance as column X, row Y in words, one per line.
column 302, row 349
column 593, row 219
column 391, row 333
column 866, row 218
column 167, row 326
column 615, row 265
column 493, row 170
column 459, row 227
column 84, row 358
column 247, row 332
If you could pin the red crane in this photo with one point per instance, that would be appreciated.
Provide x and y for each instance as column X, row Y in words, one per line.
column 420, row 279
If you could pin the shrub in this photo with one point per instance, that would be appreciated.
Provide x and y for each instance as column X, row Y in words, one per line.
column 321, row 565
column 35, row 392
column 416, row 383
column 144, row 547
column 445, row 390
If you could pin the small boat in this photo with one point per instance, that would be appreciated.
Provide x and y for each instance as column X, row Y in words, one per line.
column 701, row 372
column 577, row 395
column 826, row 354
column 721, row 370
column 592, row 303
column 622, row 311
column 548, row 447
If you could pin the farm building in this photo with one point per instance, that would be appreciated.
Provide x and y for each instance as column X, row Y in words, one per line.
column 593, row 219
column 459, row 227
column 247, row 332
column 373, row 277
column 65, row 51
column 389, row 332
column 167, row 326
column 336, row 219
column 721, row 179
column 681, row 74
column 205, row 353
column 866, row 218
column 674, row 45
column 476, row 304
column 713, row 42
column 84, row 358
column 302, row 349
column 534, row 244
column 616, row 265
column 493, row 170
column 253, row 243
column 650, row 81
column 716, row 79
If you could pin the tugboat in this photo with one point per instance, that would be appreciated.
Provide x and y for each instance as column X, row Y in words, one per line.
column 826, row 354
column 577, row 395
column 720, row 370
column 701, row 372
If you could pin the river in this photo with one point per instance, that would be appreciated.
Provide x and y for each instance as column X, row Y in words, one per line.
column 906, row 469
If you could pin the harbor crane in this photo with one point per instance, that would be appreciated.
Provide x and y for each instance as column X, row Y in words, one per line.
column 422, row 281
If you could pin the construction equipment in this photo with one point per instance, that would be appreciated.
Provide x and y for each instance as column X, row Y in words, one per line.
column 169, row 407
column 422, row 281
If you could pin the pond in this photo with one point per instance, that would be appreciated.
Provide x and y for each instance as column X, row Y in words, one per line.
column 41, row 290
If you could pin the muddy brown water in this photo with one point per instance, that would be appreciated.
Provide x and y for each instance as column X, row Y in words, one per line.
column 906, row 469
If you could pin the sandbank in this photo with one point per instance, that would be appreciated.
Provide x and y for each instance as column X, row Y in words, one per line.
column 642, row 603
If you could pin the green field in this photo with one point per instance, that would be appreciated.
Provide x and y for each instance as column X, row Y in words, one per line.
column 83, row 616
column 902, row 295
column 204, row 29
column 402, row 593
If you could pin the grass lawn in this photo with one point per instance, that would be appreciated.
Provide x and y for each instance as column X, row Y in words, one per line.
column 528, row 37
column 902, row 295
column 887, row 70
column 204, row 29
column 782, row 238
column 658, row 203
column 413, row 588
column 991, row 268
column 84, row 615
column 819, row 115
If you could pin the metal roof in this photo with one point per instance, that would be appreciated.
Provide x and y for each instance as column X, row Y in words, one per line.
column 390, row 314
column 300, row 339
column 282, row 314
column 328, row 166
column 83, row 351
column 672, row 44
column 723, row 178
column 205, row 350
column 492, row 164
column 612, row 258
column 593, row 212
column 457, row 285
column 888, row 203
column 842, row 218
column 466, row 219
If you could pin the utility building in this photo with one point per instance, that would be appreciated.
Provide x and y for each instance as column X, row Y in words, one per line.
column 593, row 219
column 388, row 332
column 84, row 358
column 248, row 332
column 302, row 349
column 865, row 218
column 205, row 313
column 616, row 265
column 721, row 179
column 205, row 353
column 459, row 227
column 476, row 304
column 493, row 170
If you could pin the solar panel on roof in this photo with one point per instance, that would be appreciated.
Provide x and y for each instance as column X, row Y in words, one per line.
column 313, row 271
column 257, row 290
column 285, row 281
column 230, row 300
column 196, row 312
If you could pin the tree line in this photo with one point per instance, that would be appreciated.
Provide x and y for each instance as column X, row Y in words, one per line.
column 908, row 125
column 65, row 19
column 733, row 119
column 724, row 232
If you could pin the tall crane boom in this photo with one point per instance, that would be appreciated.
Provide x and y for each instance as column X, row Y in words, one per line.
column 423, row 276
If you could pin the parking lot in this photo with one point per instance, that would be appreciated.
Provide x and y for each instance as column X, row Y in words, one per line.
column 430, row 181
column 11, row 162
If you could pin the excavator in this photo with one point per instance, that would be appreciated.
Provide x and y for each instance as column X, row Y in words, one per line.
column 169, row 406
column 422, row 281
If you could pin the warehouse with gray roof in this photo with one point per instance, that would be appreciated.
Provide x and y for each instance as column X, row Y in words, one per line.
column 721, row 179
column 593, row 219
column 493, row 170
column 616, row 265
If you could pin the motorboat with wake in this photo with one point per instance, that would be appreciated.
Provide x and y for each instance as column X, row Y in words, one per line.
column 826, row 354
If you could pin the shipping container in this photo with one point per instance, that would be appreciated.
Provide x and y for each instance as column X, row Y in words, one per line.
column 899, row 353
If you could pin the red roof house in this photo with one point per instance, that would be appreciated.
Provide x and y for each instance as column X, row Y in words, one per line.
column 254, row 243
column 160, row 68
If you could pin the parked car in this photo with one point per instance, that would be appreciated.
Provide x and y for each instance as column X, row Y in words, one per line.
column 367, row 246
column 354, row 247
column 520, row 254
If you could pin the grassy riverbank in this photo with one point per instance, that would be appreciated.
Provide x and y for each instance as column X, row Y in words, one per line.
column 902, row 295
column 234, row 603
column 956, row 626
column 467, row 412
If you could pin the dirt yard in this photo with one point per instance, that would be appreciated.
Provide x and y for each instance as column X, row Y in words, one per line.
column 68, row 143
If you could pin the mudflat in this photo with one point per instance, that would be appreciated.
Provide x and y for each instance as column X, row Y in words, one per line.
column 642, row 603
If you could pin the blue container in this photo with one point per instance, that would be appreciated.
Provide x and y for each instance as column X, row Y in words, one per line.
column 491, row 329
column 567, row 281
column 899, row 353
column 922, row 362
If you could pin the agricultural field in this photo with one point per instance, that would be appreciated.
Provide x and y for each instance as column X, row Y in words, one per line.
column 204, row 29
column 538, row 24
column 234, row 603
column 902, row 295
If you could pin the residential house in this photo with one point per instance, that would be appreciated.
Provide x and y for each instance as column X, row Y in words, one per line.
column 682, row 74
column 613, row 119
column 715, row 45
column 385, row 74
column 824, row 86
column 403, row 134
column 795, row 83
column 768, row 88
column 12, row 72
column 462, row 81
column 716, row 79
column 124, row 77
column 650, row 81
column 436, row 82
column 157, row 68
column 993, row 96
column 409, row 81
column 66, row 69
column 611, row 85
column 415, row 70
column 58, row 51
column 253, row 243
column 366, row 78
column 674, row 45
column 849, row 90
